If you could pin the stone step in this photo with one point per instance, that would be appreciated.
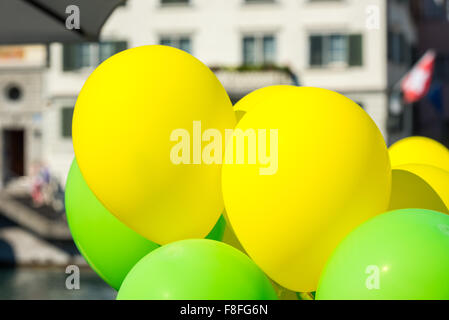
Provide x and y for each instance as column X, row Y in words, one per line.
column 30, row 219
column 22, row 248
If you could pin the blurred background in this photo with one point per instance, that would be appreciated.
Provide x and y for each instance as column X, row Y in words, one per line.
column 389, row 56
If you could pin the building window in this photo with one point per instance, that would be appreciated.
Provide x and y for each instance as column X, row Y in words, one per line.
column 336, row 50
column 258, row 1
column 66, row 121
column 180, row 42
column 174, row 2
column 89, row 55
column 259, row 49
column 399, row 51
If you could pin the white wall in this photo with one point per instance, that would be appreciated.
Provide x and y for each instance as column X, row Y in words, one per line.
column 24, row 113
column 57, row 150
column 217, row 26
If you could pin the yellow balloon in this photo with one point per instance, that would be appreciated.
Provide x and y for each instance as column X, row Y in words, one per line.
column 131, row 116
column 332, row 174
column 419, row 150
column 420, row 186
column 239, row 114
column 251, row 100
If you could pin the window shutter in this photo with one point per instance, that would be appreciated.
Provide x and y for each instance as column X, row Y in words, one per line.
column 120, row 46
column 390, row 46
column 66, row 121
column 403, row 48
column 109, row 48
column 185, row 44
column 316, row 50
column 355, row 50
column 70, row 57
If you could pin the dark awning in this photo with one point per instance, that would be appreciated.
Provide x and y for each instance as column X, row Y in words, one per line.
column 44, row 21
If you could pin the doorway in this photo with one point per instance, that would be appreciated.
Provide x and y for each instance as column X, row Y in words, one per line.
column 13, row 154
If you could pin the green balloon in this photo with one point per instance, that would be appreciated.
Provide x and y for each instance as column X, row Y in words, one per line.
column 110, row 247
column 218, row 230
column 400, row 255
column 196, row 270
column 306, row 295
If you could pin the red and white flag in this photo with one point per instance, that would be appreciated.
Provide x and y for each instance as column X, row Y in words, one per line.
column 416, row 83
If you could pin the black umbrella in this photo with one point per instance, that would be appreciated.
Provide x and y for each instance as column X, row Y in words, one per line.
column 44, row 21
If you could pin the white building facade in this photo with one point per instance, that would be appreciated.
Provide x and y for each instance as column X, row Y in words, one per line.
column 22, row 105
column 359, row 48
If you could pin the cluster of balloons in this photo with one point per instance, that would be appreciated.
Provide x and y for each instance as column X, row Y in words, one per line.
column 139, row 219
column 342, row 215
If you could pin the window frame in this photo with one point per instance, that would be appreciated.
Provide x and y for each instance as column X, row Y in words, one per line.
column 177, row 37
column 94, row 54
column 63, row 130
column 175, row 3
column 325, row 47
column 259, row 44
